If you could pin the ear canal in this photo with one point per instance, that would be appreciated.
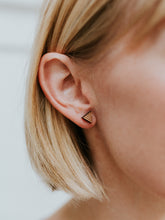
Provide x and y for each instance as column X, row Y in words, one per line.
column 88, row 117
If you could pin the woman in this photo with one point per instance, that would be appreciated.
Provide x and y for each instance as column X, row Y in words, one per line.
column 95, row 107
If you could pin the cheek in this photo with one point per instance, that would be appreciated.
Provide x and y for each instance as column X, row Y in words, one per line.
column 131, row 118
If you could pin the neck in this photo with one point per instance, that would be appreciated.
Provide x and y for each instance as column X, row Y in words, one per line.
column 127, row 200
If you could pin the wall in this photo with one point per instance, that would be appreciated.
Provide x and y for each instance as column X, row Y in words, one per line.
column 22, row 194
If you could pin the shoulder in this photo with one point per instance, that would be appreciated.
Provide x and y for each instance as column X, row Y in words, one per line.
column 58, row 215
column 66, row 212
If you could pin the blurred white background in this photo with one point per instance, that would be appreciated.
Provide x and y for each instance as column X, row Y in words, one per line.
column 22, row 194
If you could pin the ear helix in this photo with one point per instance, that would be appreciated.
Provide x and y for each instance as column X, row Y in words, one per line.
column 88, row 117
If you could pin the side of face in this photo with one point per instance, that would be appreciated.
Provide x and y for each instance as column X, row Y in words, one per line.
column 130, row 111
column 126, row 92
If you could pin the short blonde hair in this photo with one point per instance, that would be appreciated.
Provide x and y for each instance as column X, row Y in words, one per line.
column 57, row 147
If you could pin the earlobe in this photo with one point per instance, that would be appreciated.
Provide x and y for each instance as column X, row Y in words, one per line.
column 62, row 87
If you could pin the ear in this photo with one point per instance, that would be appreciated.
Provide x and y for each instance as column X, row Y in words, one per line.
column 63, row 88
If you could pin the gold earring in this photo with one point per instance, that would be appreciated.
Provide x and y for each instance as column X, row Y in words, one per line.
column 88, row 117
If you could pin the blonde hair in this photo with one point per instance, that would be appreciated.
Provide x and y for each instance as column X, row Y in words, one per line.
column 57, row 147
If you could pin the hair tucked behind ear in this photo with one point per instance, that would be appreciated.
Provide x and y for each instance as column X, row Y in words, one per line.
column 79, row 29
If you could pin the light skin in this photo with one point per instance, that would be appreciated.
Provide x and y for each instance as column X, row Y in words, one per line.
column 126, row 94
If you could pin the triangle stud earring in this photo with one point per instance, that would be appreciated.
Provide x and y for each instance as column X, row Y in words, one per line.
column 88, row 117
